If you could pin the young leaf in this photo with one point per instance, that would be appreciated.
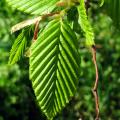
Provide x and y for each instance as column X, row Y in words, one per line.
column 18, row 48
column 85, row 24
column 54, row 67
column 36, row 7
column 25, row 23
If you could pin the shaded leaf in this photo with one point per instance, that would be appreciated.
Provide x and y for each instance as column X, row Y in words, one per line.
column 113, row 9
column 18, row 48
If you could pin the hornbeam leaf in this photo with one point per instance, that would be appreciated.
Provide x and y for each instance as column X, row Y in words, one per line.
column 36, row 7
column 54, row 67
column 18, row 48
column 85, row 24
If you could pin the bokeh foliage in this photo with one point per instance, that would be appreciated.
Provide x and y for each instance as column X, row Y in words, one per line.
column 17, row 99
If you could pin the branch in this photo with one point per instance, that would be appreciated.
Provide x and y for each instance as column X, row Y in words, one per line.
column 37, row 24
column 36, row 30
column 94, row 90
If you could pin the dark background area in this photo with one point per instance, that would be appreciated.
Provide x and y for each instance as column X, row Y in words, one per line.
column 17, row 100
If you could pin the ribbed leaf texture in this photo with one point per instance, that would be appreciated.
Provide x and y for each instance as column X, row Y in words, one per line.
column 18, row 48
column 54, row 67
column 113, row 9
column 85, row 24
column 33, row 6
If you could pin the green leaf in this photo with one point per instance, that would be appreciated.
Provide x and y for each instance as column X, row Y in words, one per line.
column 54, row 67
column 33, row 6
column 18, row 48
column 85, row 24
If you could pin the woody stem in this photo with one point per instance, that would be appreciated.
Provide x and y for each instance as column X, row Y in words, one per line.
column 94, row 90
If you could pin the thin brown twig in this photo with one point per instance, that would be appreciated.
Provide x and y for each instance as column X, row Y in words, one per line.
column 37, row 24
column 94, row 90
column 36, row 30
column 49, row 15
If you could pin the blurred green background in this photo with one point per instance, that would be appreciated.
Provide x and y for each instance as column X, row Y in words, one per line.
column 17, row 100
